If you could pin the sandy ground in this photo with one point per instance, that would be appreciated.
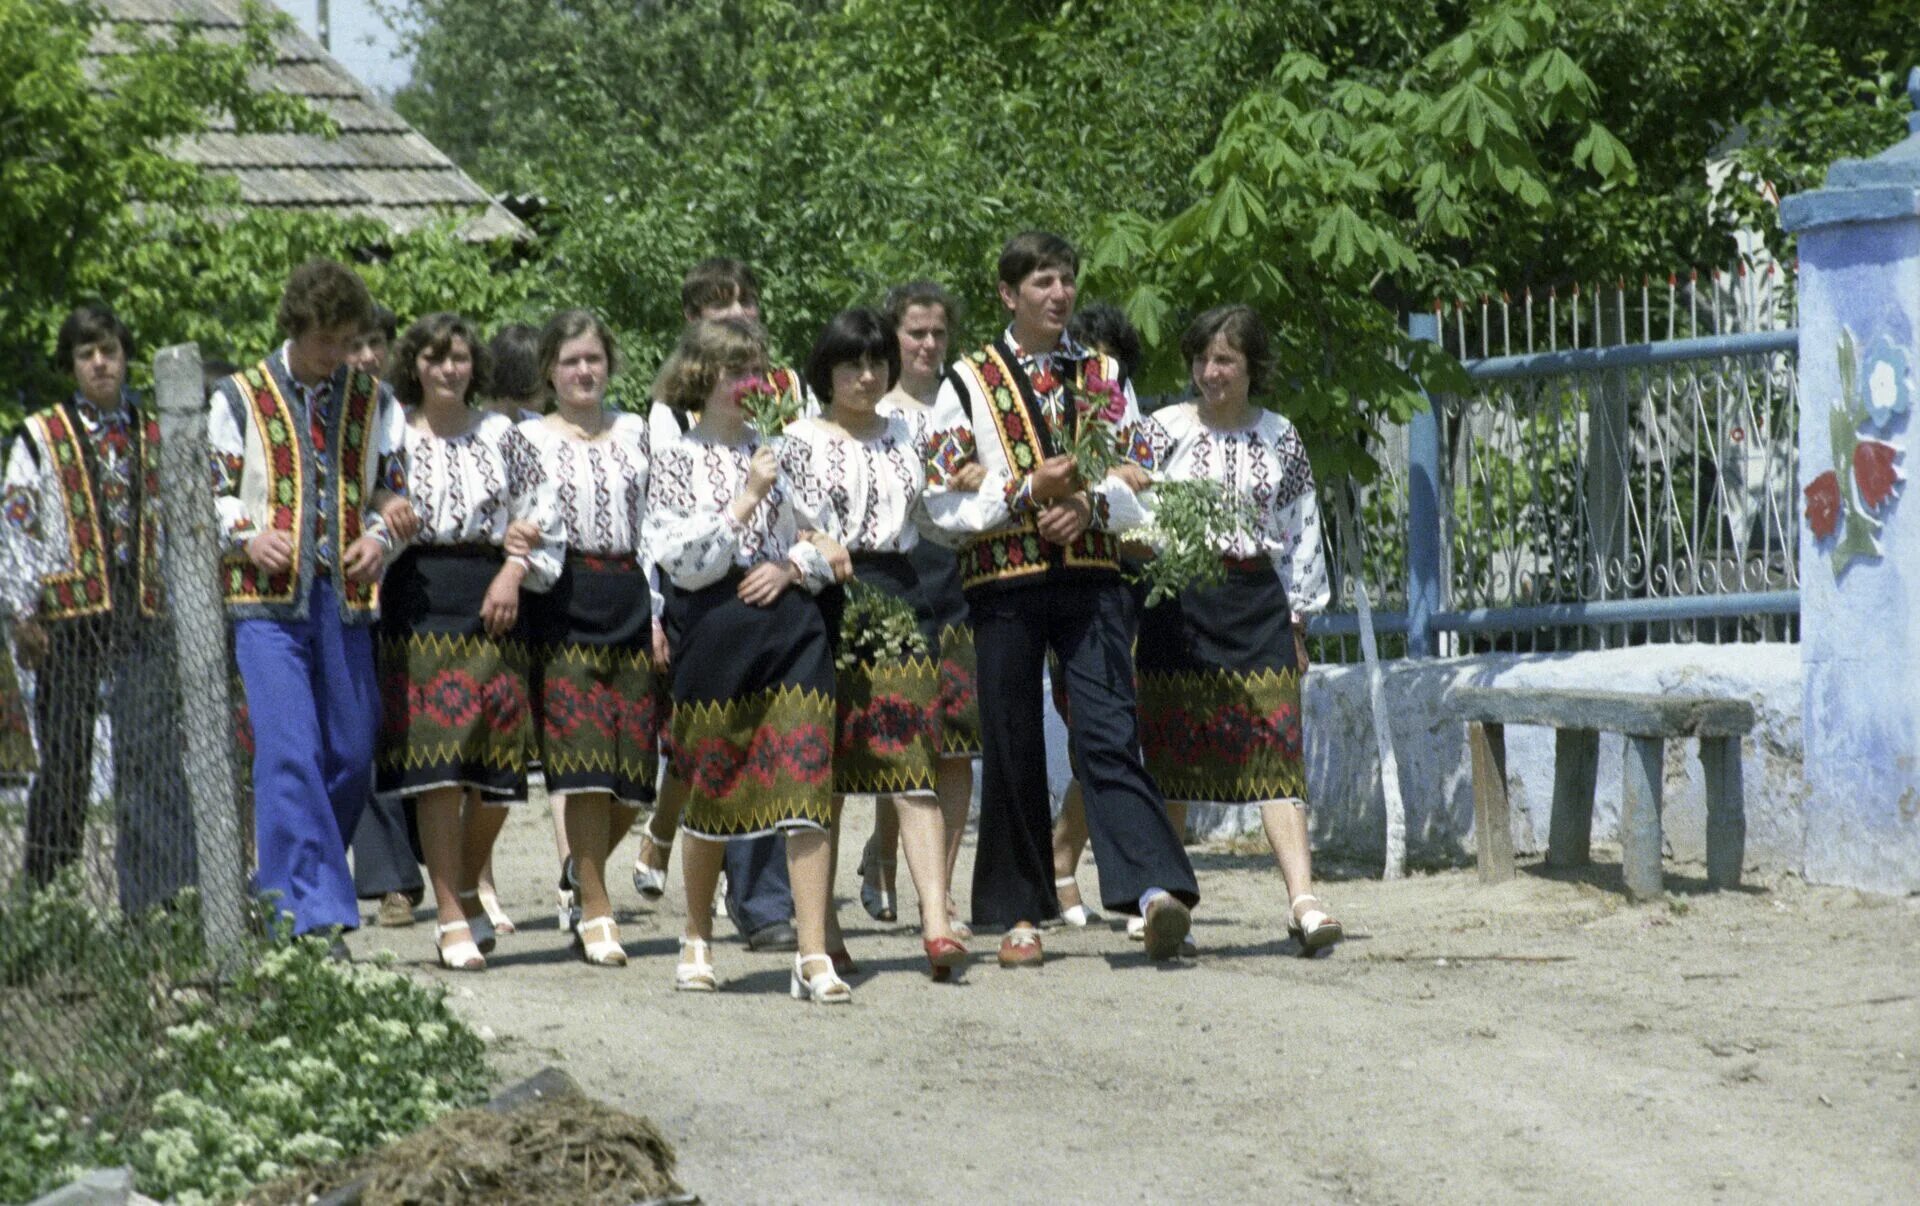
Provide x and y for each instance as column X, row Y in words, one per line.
column 1536, row 1039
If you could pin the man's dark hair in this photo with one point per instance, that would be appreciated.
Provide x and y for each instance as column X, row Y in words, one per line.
column 715, row 282
column 433, row 334
column 322, row 293
column 919, row 293
column 384, row 321
column 1104, row 327
column 854, row 335
column 515, row 352
column 1245, row 333
column 89, row 323
column 1030, row 251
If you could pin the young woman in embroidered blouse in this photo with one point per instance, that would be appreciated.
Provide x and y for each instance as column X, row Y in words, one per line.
column 753, row 676
column 1240, row 640
column 454, row 654
column 857, row 476
column 598, row 703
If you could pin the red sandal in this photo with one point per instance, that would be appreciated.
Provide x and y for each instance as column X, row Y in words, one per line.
column 944, row 955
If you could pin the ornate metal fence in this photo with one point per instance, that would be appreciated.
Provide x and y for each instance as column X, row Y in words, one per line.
column 1623, row 471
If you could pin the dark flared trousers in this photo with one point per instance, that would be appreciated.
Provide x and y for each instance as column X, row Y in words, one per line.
column 1085, row 623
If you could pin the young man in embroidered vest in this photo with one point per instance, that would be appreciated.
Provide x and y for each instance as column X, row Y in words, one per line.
column 759, row 898
column 80, row 557
column 306, row 451
column 1041, row 571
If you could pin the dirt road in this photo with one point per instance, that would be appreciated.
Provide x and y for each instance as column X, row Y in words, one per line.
column 1539, row 1039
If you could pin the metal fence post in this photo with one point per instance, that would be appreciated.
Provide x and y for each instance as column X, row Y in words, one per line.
column 200, row 641
column 1425, row 584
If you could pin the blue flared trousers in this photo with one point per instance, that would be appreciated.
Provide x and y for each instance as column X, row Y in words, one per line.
column 315, row 705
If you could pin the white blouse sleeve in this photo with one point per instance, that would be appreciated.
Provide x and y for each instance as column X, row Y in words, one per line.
column 532, row 495
column 950, row 446
column 24, row 555
column 227, row 441
column 692, row 545
column 1298, row 555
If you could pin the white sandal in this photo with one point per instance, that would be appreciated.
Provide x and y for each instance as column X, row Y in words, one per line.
column 1078, row 916
column 607, row 951
column 694, row 972
column 827, row 988
column 876, row 900
column 651, row 882
column 479, row 924
column 1315, row 928
column 461, row 956
column 567, row 899
column 490, row 904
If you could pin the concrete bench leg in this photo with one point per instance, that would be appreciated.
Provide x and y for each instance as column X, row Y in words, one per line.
column 1726, row 810
column 1576, row 764
column 1492, row 826
column 1641, row 783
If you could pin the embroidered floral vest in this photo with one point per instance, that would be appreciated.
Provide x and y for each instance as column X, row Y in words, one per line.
column 1016, row 553
column 290, row 479
column 85, row 587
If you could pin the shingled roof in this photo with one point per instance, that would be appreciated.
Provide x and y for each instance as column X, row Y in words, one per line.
column 378, row 167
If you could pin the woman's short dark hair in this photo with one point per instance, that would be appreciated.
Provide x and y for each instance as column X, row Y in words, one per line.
column 716, row 282
column 709, row 350
column 515, row 353
column 434, row 335
column 323, row 293
column 571, row 324
column 1245, row 333
column 89, row 323
column 852, row 335
column 1031, row 250
column 901, row 298
column 1103, row 326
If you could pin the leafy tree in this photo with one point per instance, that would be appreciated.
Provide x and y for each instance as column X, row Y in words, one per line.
column 87, row 117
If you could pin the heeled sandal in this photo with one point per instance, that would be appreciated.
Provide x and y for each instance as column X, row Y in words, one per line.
column 843, row 964
column 694, row 972
column 479, row 924
column 1316, row 928
column 606, row 951
column 490, row 904
column 825, row 988
column 1078, row 916
column 960, row 928
column 648, row 880
column 877, row 901
column 567, row 898
column 944, row 957
column 459, row 956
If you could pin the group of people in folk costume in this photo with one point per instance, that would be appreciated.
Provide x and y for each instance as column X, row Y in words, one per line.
column 443, row 572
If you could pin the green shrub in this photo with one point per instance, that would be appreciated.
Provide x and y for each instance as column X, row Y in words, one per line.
column 206, row 1086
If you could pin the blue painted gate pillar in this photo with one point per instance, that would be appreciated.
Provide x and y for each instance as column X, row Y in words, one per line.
column 1859, row 538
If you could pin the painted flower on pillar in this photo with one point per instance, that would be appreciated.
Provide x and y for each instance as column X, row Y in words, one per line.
column 1874, row 473
column 1823, row 505
column 1889, row 382
column 1846, row 506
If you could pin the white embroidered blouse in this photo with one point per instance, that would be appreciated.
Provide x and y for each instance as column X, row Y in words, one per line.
column 1266, row 464
column 466, row 490
column 865, row 494
column 694, row 538
column 598, row 487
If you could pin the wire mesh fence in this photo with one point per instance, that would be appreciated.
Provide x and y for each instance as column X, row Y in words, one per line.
column 119, row 830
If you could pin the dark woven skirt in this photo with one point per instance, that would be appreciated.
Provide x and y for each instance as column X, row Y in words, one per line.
column 752, row 730
column 939, row 570
column 887, row 716
column 598, row 705
column 17, row 760
column 1219, row 687
column 453, row 699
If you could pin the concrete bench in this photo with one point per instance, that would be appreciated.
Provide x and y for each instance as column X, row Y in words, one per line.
column 1579, row 717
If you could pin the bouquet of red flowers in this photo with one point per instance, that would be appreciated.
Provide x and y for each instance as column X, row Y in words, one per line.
column 767, row 409
column 1099, row 407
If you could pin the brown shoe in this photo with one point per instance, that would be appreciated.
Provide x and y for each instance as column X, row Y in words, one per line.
column 395, row 910
column 1167, row 924
column 1021, row 947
